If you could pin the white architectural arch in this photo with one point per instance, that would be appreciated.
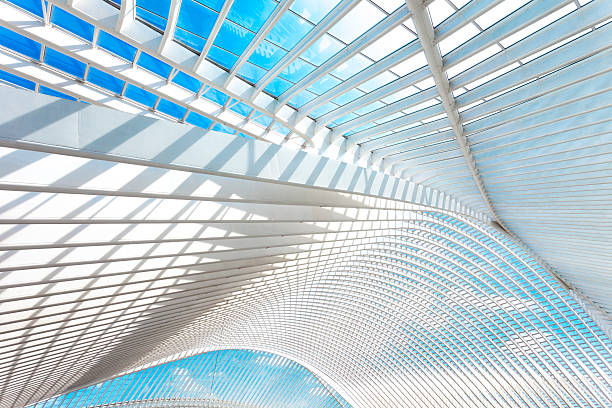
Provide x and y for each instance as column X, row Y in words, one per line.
column 409, row 199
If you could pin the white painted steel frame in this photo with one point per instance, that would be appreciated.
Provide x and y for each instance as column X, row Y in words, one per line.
column 455, row 313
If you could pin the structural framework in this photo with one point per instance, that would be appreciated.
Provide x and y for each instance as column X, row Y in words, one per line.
column 348, row 203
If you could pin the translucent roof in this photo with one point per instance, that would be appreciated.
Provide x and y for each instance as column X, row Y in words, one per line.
column 504, row 105
column 223, row 378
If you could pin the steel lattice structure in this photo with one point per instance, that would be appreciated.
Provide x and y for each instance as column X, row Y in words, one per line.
column 407, row 201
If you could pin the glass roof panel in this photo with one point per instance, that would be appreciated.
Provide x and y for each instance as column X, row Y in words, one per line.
column 300, row 99
column 267, row 55
column 159, row 7
column 324, row 84
column 141, row 96
column 196, row 119
column 498, row 12
column 116, row 46
column 196, row 19
column 233, row 38
column 52, row 92
column 171, row 108
column 33, row 6
column 389, row 5
column 187, row 81
column 252, row 73
column 352, row 66
column 104, row 80
column 378, row 81
column 71, row 23
column 277, row 86
column 439, row 10
column 216, row 96
column 297, row 70
column 322, row 50
column 289, row 30
column 348, row 96
column 64, row 63
column 9, row 78
column 222, row 57
column 151, row 18
column 357, row 21
column 19, row 43
column 154, row 65
column 388, row 43
column 251, row 14
column 313, row 10
column 323, row 109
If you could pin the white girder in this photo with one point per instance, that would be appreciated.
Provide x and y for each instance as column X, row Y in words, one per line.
column 227, row 5
column 232, row 243
column 259, row 37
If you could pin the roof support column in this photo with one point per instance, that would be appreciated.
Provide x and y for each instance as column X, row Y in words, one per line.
column 425, row 32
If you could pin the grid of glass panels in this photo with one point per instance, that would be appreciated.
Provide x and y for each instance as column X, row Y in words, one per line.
column 238, row 377
column 244, row 19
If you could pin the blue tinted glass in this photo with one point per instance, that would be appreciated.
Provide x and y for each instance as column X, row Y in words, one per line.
column 289, row 30
column 222, row 128
column 313, row 10
column 213, row 4
column 171, row 108
column 154, row 65
column 224, row 58
column 302, row 98
column 216, row 96
column 14, row 79
column 251, row 72
column 251, row 13
column 198, row 120
column 283, row 130
column 19, row 43
column 189, row 39
column 344, row 118
column 369, row 108
column 196, row 18
column 187, row 81
column 352, row 66
column 297, row 70
column 262, row 119
column 324, row 84
column 140, row 95
column 159, row 7
column 33, row 6
column 322, row 50
column 151, row 18
column 71, row 23
column 64, row 63
column 104, row 80
column 267, row 55
column 323, row 109
column 52, row 92
column 241, row 108
column 348, row 96
column 116, row 46
column 246, row 136
column 277, row 86
column 233, row 38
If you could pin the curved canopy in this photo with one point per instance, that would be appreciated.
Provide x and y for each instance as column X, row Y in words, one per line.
column 409, row 198
column 217, row 379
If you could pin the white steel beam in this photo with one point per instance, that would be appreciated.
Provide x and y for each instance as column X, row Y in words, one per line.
column 425, row 32
column 213, row 33
column 278, row 12
column 127, row 15
column 367, row 38
column 319, row 30
column 175, row 7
